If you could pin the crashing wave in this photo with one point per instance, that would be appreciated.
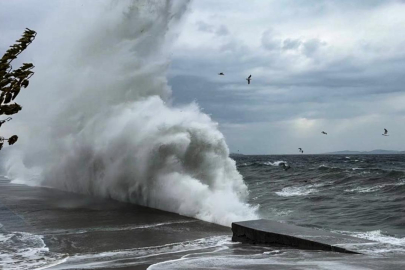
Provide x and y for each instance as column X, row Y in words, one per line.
column 110, row 129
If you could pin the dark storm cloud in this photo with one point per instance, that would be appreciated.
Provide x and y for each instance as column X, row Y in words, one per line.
column 231, row 105
column 335, row 65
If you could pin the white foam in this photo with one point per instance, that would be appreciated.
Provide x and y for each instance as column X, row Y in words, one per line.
column 378, row 236
column 365, row 189
column 357, row 168
column 115, row 229
column 374, row 188
column 328, row 167
column 275, row 163
column 266, row 260
column 131, row 257
column 296, row 191
column 383, row 244
column 20, row 250
column 110, row 129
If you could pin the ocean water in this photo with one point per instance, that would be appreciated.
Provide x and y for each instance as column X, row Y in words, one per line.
column 361, row 195
column 357, row 195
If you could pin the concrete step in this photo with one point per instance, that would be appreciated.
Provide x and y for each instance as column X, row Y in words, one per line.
column 270, row 232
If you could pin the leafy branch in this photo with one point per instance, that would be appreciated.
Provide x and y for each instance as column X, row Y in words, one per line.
column 12, row 81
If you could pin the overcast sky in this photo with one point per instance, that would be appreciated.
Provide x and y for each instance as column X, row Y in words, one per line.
column 316, row 65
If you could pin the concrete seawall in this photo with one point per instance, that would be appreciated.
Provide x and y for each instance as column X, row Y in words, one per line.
column 275, row 233
column 81, row 227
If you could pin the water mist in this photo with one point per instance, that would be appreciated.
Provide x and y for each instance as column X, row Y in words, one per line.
column 109, row 128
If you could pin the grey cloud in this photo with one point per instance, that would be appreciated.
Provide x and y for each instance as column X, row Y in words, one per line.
column 311, row 47
column 345, row 88
column 269, row 40
column 222, row 31
column 205, row 27
column 291, row 44
column 253, row 106
column 340, row 87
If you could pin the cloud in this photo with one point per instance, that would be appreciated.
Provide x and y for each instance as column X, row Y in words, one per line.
column 337, row 64
column 222, row 31
column 270, row 41
column 312, row 46
column 291, row 44
column 205, row 27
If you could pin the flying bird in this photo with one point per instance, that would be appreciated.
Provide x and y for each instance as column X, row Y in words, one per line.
column 221, row 73
column 302, row 151
column 323, row 132
column 385, row 132
column 249, row 78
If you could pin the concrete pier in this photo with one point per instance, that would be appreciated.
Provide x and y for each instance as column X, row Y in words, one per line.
column 269, row 232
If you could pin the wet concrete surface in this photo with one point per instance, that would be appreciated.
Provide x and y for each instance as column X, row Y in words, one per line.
column 270, row 232
column 79, row 225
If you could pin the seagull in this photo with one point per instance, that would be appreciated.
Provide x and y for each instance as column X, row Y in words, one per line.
column 302, row 151
column 285, row 167
column 249, row 78
column 385, row 132
column 323, row 132
column 221, row 73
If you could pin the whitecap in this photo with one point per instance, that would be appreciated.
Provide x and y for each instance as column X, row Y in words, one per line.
column 296, row 191
column 275, row 163
column 374, row 188
column 382, row 243
column 131, row 257
column 378, row 236
column 20, row 250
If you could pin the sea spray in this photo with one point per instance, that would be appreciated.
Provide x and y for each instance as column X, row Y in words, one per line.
column 110, row 129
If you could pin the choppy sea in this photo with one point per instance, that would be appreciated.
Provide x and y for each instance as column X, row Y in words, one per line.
column 357, row 195
column 360, row 195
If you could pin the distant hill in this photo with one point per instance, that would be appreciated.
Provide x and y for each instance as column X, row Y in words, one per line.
column 373, row 152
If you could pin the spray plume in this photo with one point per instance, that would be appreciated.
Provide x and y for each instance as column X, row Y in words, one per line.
column 110, row 129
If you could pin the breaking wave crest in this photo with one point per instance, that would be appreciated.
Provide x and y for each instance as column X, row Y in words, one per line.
column 263, row 163
column 25, row 251
column 296, row 191
column 110, row 128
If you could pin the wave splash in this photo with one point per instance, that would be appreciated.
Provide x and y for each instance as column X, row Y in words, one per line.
column 115, row 133
column 21, row 250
